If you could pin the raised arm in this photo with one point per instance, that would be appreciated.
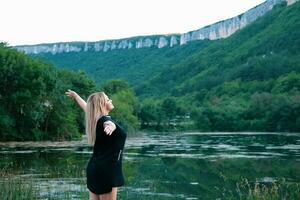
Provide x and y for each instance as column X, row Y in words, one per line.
column 78, row 99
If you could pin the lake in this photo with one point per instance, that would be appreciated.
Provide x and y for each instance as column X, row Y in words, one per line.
column 159, row 165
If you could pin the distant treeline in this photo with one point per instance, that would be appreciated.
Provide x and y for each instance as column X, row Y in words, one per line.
column 272, row 105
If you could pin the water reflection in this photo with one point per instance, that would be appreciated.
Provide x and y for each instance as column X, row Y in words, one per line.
column 160, row 165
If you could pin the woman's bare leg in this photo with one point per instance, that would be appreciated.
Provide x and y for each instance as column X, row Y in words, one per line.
column 94, row 196
column 110, row 196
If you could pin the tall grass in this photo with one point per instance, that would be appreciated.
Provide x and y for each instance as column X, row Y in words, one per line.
column 277, row 190
column 15, row 187
column 20, row 189
column 24, row 188
column 12, row 189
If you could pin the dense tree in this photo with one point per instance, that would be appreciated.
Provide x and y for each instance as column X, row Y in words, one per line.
column 149, row 114
column 169, row 107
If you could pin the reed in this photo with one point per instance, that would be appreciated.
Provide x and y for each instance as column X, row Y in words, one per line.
column 277, row 190
column 15, row 188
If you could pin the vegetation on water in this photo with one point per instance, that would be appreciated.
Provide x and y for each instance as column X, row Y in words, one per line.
column 20, row 188
column 163, row 166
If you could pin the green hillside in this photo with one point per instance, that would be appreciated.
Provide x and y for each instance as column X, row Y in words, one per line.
column 257, row 52
column 132, row 65
column 264, row 50
column 246, row 82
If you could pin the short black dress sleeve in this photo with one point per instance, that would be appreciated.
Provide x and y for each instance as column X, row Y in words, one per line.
column 104, row 169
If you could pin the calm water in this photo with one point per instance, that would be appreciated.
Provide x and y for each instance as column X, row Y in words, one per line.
column 160, row 165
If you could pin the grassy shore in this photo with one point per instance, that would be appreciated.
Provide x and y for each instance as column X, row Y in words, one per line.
column 22, row 189
column 276, row 190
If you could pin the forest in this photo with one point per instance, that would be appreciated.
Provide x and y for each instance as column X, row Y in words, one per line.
column 247, row 82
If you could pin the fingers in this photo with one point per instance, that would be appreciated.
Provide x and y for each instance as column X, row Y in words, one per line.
column 109, row 127
column 107, row 130
column 110, row 124
column 70, row 93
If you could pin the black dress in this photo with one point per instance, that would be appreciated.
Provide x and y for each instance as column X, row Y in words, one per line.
column 104, row 169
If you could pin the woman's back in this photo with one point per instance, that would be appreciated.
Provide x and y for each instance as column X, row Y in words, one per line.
column 104, row 170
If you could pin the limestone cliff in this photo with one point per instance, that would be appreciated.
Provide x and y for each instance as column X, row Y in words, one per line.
column 218, row 30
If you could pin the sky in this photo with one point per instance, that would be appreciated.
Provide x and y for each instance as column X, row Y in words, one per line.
column 48, row 21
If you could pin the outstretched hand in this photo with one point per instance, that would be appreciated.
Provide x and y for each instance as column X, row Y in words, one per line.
column 71, row 93
column 78, row 99
column 109, row 127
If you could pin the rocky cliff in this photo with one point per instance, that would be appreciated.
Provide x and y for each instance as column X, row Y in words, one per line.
column 215, row 31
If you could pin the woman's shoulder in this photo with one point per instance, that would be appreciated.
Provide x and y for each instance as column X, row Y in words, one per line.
column 104, row 118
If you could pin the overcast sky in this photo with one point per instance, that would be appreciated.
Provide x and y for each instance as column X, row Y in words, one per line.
column 48, row 21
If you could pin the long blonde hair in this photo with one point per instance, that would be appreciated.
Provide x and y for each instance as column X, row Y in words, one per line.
column 94, row 109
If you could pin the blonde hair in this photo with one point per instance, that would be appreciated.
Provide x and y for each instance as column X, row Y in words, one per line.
column 94, row 110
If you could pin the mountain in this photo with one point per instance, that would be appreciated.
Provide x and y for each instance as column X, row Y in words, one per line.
column 249, row 81
column 215, row 31
column 266, row 49
column 139, row 65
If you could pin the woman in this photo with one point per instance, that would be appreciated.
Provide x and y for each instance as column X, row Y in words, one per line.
column 104, row 169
